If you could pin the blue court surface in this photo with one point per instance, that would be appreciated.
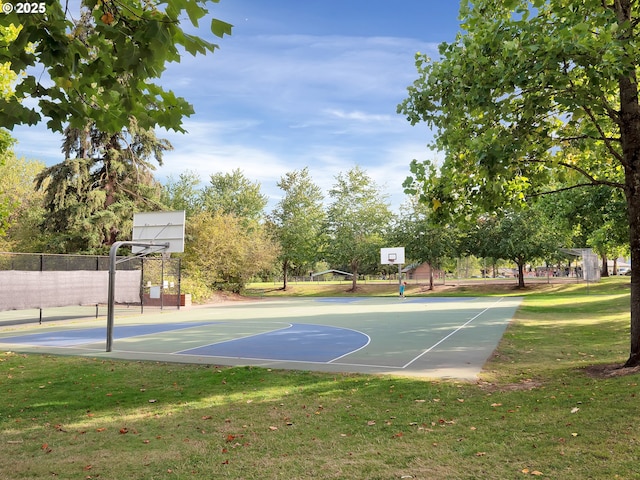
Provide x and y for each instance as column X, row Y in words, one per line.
column 431, row 337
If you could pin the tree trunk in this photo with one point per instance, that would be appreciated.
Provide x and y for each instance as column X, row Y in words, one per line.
column 354, row 277
column 633, row 202
column 520, row 274
column 629, row 122
column 285, row 270
column 633, row 207
column 604, row 271
column 430, row 277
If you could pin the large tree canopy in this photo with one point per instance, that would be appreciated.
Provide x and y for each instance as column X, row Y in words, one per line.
column 357, row 219
column 519, row 236
column 90, row 198
column 234, row 194
column 298, row 222
column 7, row 79
column 532, row 90
column 99, row 65
column 19, row 230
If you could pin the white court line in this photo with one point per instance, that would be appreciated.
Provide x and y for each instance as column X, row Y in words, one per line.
column 352, row 351
column 288, row 326
column 451, row 334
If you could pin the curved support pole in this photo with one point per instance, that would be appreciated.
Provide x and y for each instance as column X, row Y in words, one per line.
column 111, row 297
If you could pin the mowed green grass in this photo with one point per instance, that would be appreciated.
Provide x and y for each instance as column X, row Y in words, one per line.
column 547, row 406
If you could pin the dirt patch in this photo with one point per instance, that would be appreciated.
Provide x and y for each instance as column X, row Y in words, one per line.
column 610, row 371
column 221, row 298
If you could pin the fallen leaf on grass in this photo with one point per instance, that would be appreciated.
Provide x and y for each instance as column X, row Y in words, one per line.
column 480, row 454
column 575, row 410
column 442, row 421
column 537, row 473
column 371, row 422
column 273, row 429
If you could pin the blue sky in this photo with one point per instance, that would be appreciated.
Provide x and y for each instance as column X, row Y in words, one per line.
column 299, row 83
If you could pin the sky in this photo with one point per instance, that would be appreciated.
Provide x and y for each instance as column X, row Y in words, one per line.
column 299, row 83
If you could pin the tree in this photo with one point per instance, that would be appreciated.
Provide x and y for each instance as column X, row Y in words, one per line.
column 90, row 198
column 298, row 221
column 532, row 90
column 223, row 254
column 234, row 194
column 595, row 216
column 183, row 193
column 19, row 230
column 102, row 62
column 7, row 79
column 358, row 218
column 425, row 240
column 99, row 66
column 520, row 236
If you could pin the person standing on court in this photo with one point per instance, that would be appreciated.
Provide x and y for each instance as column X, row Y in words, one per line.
column 402, row 287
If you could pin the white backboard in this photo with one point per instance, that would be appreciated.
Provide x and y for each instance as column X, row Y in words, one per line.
column 159, row 227
column 392, row 256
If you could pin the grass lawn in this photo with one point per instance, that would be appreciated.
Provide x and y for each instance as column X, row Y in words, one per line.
column 548, row 405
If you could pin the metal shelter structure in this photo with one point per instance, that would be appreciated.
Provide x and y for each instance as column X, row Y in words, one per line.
column 590, row 262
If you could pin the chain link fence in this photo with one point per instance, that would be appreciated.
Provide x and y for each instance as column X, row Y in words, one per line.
column 39, row 281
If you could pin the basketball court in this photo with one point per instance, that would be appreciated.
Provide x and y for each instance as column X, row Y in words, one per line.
column 433, row 337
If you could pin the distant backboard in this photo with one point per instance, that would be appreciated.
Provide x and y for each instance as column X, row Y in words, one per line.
column 392, row 256
column 159, row 227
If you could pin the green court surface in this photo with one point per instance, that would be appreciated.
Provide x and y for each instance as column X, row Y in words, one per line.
column 430, row 337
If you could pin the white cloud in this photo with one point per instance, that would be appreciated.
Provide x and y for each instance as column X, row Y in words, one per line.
column 275, row 103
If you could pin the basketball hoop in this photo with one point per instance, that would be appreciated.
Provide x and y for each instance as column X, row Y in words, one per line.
column 392, row 256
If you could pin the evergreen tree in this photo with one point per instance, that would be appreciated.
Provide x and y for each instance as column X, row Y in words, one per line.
column 90, row 198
